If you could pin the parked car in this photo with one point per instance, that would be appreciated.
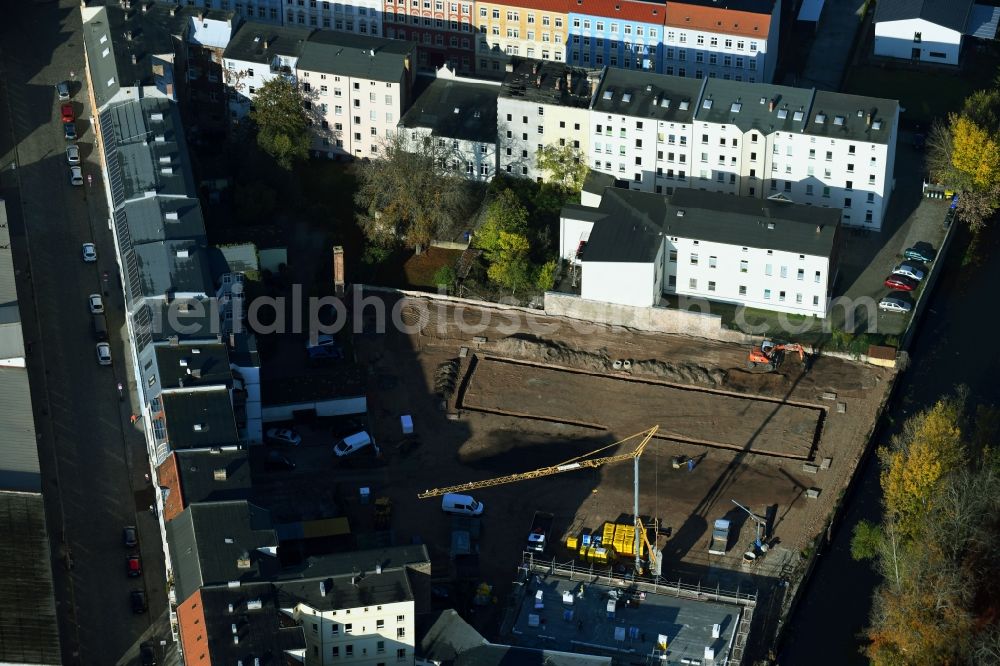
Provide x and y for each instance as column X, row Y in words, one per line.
column 133, row 566
column 910, row 270
column 463, row 505
column 279, row 462
column 62, row 88
column 75, row 176
column 89, row 253
column 72, row 154
column 69, row 131
column 895, row 302
column 147, row 654
column 138, row 598
column 103, row 353
column 68, row 114
column 920, row 252
column 285, row 436
column 130, row 536
column 352, row 443
column 901, row 283
column 96, row 303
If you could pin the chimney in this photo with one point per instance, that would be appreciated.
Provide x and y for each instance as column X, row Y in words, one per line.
column 243, row 561
column 173, row 10
column 322, row 588
column 819, row 228
column 378, row 567
column 267, row 43
column 220, row 474
column 538, row 81
column 509, row 67
column 128, row 35
column 537, row 68
column 135, row 60
column 770, row 106
column 569, row 80
column 868, row 119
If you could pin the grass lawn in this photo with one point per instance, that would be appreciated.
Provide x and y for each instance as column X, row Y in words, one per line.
column 419, row 269
column 929, row 93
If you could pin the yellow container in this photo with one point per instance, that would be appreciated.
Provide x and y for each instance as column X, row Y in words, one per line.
column 608, row 534
column 571, row 542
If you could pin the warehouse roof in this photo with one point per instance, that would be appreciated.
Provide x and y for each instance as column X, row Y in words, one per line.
column 357, row 56
column 19, row 468
column 456, row 110
column 953, row 14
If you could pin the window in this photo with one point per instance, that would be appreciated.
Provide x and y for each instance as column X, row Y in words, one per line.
column 916, row 37
column 692, row 283
column 349, row 650
column 781, row 296
column 672, row 281
column 380, row 647
column 336, row 651
column 348, row 628
column 784, row 271
column 801, row 275
column 847, row 202
column 712, row 261
column 711, row 285
column 767, row 294
column 743, row 290
column 379, row 624
column 694, row 259
column 401, row 632
column 768, row 269
column 744, row 266
column 816, row 277
column 401, row 654
column 815, row 300
column 673, row 256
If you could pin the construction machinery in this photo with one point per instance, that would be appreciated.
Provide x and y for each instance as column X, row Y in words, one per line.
column 770, row 354
column 585, row 461
column 757, row 545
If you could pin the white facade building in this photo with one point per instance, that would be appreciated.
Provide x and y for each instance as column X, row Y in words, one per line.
column 361, row 17
column 460, row 115
column 256, row 54
column 542, row 104
column 925, row 30
column 365, row 634
column 635, row 247
column 654, row 133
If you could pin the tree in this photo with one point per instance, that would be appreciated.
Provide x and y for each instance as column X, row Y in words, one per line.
column 546, row 278
column 282, row 126
column 975, row 152
column 509, row 264
column 564, row 164
column 505, row 213
column 409, row 195
column 445, row 277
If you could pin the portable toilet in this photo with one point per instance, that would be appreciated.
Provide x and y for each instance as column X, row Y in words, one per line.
column 406, row 421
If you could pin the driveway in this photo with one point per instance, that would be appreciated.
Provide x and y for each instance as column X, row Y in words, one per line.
column 93, row 464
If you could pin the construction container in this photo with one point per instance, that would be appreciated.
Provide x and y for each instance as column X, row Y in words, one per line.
column 571, row 542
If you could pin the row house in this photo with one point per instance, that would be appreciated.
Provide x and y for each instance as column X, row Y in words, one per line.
column 655, row 133
column 535, row 29
column 443, row 29
column 627, row 35
column 542, row 104
column 362, row 17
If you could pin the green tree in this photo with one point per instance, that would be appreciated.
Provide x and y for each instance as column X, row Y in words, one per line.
column 445, row 276
column 546, row 278
column 505, row 213
column 867, row 541
column 282, row 126
column 564, row 165
column 509, row 264
column 409, row 195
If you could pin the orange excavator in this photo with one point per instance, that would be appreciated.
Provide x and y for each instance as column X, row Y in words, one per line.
column 771, row 353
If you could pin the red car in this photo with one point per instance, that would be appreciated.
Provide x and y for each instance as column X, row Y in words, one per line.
column 134, row 566
column 68, row 115
column 901, row 282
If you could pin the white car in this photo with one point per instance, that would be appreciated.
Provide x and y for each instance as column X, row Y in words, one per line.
column 72, row 154
column 89, row 253
column 894, row 303
column 909, row 270
column 62, row 88
column 96, row 304
column 76, row 176
column 103, row 353
column 285, row 436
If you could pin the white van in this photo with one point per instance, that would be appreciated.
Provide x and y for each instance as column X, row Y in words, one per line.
column 352, row 443
column 462, row 505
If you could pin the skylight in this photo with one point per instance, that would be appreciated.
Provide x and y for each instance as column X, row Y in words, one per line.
column 838, row 120
column 707, row 104
column 782, row 114
column 665, row 103
column 608, row 94
column 797, row 116
column 683, row 106
column 626, row 98
column 877, row 125
column 735, row 108
column 820, row 118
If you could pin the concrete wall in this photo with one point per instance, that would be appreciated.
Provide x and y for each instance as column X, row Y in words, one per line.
column 335, row 407
column 655, row 319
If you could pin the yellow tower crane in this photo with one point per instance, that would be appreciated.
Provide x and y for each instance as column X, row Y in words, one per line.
column 580, row 462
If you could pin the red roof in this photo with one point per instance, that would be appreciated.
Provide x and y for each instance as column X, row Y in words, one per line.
column 629, row 10
column 554, row 6
column 711, row 19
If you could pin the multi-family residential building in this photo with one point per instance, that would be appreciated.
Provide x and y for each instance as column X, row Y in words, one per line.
column 460, row 117
column 636, row 246
column 256, row 54
column 627, row 34
column 732, row 40
column 444, row 29
column 654, row 133
column 362, row 17
column 535, row 29
column 542, row 104
column 357, row 89
column 263, row 11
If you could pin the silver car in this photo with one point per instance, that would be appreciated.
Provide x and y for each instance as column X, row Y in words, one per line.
column 909, row 270
column 96, row 304
column 76, row 176
column 62, row 88
column 72, row 154
column 103, row 353
column 894, row 303
column 89, row 253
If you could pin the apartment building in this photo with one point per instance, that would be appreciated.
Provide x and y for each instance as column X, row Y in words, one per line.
column 654, row 133
column 535, row 29
column 542, row 104
column 638, row 246
column 263, row 11
column 459, row 116
column 627, row 34
column 256, row 54
column 444, row 30
column 361, row 17
column 737, row 40
column 357, row 90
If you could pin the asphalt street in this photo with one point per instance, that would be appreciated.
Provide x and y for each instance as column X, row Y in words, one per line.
column 93, row 460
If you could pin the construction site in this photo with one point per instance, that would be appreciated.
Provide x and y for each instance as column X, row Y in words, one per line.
column 659, row 459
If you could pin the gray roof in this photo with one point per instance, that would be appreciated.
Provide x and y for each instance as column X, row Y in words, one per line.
column 151, row 219
column 265, row 633
column 29, row 630
column 560, row 83
column 207, row 540
column 196, row 471
column 762, row 106
column 19, row 447
column 596, row 181
column 340, row 564
column 633, row 223
column 199, row 418
column 352, row 55
column 983, row 22
column 953, row 14
column 164, row 268
column 653, row 96
column 240, row 258
column 261, row 42
column 188, row 365
column 9, row 311
column 847, row 117
column 347, row 590
column 686, row 623
column 456, row 110
column 198, row 322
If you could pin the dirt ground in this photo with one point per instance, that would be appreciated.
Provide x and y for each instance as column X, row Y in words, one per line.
column 695, row 389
